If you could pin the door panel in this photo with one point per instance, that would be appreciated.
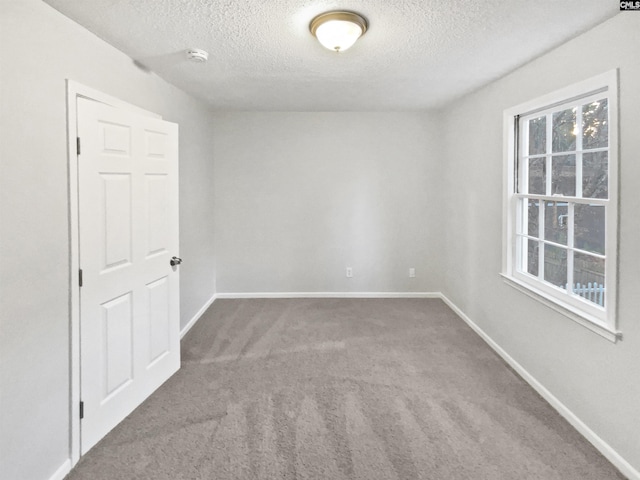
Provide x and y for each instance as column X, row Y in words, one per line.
column 117, row 364
column 157, row 213
column 116, row 212
column 129, row 301
column 156, row 144
column 159, row 319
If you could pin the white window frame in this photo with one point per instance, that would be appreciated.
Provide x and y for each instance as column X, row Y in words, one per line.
column 601, row 320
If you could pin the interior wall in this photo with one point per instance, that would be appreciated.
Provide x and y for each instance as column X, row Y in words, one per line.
column 39, row 49
column 297, row 197
column 596, row 379
column 301, row 196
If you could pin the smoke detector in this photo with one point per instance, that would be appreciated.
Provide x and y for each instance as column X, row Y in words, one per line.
column 197, row 55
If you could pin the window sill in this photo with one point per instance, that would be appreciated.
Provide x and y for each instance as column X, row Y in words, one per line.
column 578, row 317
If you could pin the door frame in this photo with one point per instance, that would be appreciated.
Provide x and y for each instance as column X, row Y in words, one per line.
column 76, row 90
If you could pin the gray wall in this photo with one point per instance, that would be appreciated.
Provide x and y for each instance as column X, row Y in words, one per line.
column 597, row 380
column 297, row 197
column 301, row 196
column 40, row 48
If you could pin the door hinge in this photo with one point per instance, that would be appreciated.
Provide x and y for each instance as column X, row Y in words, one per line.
column 78, row 145
column 81, row 410
column 80, row 277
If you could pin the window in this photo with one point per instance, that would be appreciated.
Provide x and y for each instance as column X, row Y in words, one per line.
column 561, row 201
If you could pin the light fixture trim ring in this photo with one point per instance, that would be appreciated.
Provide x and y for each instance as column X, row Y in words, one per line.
column 339, row 15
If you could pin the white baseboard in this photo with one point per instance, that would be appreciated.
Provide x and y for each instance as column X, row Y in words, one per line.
column 216, row 296
column 197, row 316
column 331, row 295
column 62, row 471
column 603, row 447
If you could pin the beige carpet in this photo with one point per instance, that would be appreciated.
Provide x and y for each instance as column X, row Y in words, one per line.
column 341, row 389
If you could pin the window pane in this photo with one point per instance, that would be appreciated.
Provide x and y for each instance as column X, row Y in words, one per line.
column 595, row 175
column 532, row 257
column 555, row 265
column 563, row 175
column 589, row 228
column 537, row 135
column 555, row 222
column 595, row 124
column 589, row 277
column 564, row 131
column 537, row 176
column 533, row 217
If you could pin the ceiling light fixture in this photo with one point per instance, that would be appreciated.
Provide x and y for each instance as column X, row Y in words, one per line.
column 338, row 30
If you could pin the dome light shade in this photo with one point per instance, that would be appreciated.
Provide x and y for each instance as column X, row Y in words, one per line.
column 338, row 30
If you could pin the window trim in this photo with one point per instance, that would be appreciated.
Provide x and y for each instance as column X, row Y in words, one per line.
column 602, row 321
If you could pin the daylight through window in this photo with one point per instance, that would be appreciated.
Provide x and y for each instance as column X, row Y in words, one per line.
column 562, row 203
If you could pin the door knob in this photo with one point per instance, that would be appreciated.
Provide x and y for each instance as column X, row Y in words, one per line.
column 175, row 261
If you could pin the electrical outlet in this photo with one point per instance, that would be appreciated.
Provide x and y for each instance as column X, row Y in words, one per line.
column 412, row 273
column 349, row 272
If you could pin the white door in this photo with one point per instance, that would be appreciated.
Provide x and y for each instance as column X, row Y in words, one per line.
column 129, row 298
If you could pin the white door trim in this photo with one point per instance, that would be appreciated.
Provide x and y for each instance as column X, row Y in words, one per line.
column 74, row 91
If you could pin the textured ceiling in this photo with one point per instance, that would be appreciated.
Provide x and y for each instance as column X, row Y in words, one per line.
column 417, row 54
